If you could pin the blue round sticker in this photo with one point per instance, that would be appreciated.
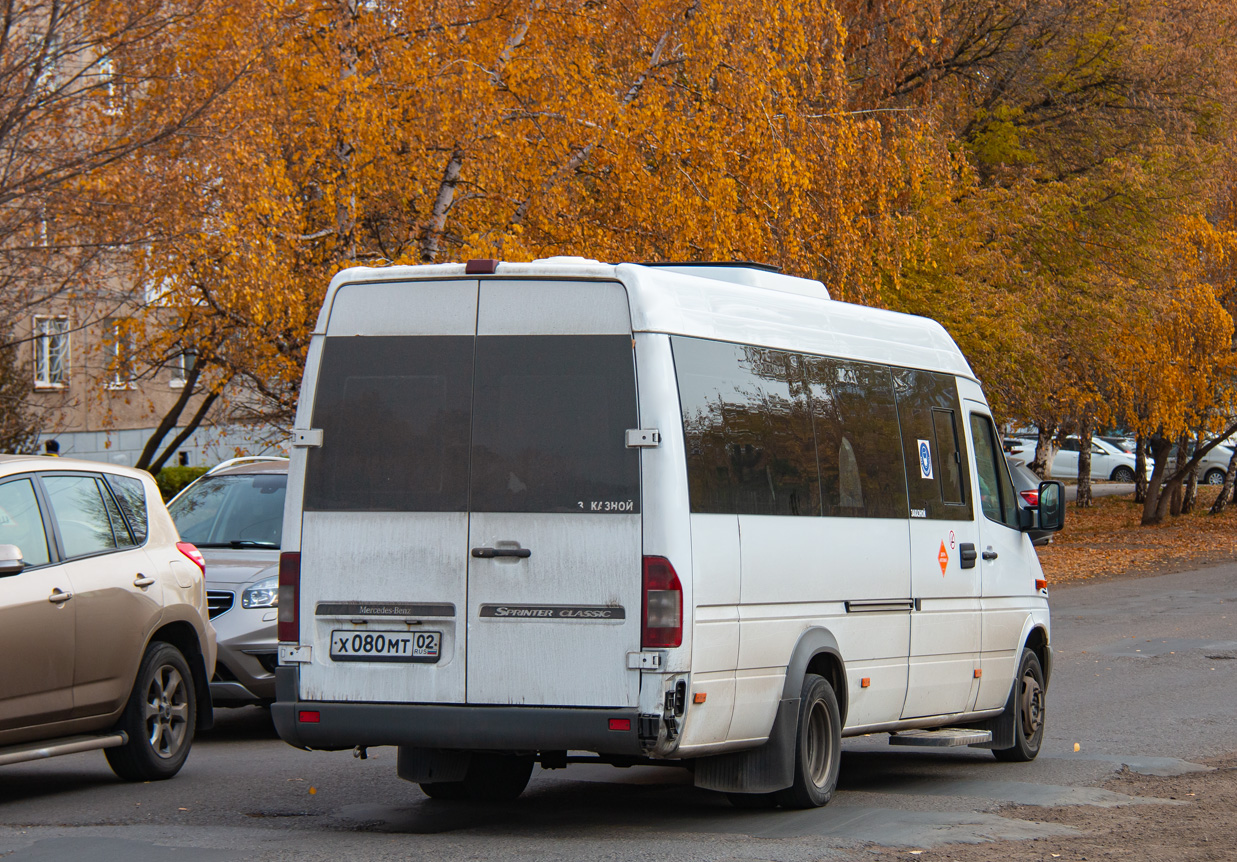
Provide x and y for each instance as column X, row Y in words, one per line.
column 925, row 458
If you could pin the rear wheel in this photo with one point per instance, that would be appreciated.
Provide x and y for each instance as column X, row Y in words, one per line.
column 1123, row 474
column 818, row 747
column 159, row 719
column 1026, row 705
column 489, row 778
column 1215, row 476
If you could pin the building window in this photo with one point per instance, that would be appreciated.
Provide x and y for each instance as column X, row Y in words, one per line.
column 180, row 365
column 119, row 355
column 51, row 352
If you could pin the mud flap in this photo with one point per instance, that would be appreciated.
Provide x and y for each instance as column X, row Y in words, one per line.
column 765, row 769
column 1002, row 726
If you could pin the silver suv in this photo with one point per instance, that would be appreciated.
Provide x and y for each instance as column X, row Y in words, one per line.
column 234, row 515
column 104, row 637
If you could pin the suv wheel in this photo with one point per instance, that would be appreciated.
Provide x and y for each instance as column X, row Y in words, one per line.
column 159, row 719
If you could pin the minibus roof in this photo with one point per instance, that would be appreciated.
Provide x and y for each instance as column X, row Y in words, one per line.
column 724, row 302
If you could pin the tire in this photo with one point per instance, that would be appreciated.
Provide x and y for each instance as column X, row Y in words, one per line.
column 1215, row 476
column 818, row 747
column 753, row 801
column 490, row 778
column 160, row 718
column 1026, row 707
column 452, row 791
column 1123, row 474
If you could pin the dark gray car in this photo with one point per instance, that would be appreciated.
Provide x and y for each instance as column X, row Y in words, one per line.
column 234, row 514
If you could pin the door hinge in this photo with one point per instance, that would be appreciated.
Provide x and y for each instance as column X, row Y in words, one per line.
column 306, row 438
column 295, row 654
column 644, row 661
column 643, row 438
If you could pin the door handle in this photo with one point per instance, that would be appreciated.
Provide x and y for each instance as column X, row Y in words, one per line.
column 990, row 554
column 489, row 553
column 142, row 581
column 59, row 597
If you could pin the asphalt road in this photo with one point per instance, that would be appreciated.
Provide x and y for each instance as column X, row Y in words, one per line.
column 1145, row 676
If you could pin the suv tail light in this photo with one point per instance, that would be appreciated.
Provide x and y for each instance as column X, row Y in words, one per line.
column 1032, row 496
column 662, row 617
column 289, row 596
column 191, row 551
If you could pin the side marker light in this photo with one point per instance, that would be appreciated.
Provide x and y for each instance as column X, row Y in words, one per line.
column 1041, row 583
column 865, row 682
column 700, row 697
column 978, row 672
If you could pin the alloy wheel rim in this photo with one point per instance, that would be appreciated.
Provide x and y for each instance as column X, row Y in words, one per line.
column 166, row 712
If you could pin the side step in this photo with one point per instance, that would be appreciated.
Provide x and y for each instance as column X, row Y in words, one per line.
column 941, row 737
column 68, row 745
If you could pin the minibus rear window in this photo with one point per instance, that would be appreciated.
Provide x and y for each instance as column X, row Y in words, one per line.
column 550, row 414
column 394, row 414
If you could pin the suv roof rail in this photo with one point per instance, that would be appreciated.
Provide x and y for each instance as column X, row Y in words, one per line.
column 244, row 459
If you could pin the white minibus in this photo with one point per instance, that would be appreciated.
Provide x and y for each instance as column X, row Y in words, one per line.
column 684, row 514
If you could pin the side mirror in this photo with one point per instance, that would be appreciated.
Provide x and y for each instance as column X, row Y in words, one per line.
column 1051, row 506
column 11, row 561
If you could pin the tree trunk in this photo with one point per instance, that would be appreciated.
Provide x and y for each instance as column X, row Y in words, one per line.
column 169, row 420
column 1191, row 483
column 1178, row 491
column 1140, row 469
column 1045, row 450
column 1226, row 493
column 1160, row 447
column 1084, row 500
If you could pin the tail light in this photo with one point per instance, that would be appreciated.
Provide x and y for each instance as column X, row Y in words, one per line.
column 1032, row 496
column 662, row 618
column 289, row 596
column 191, row 551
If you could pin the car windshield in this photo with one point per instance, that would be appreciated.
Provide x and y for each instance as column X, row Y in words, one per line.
column 242, row 511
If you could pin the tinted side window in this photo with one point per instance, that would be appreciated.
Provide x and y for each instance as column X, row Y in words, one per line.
column 857, row 439
column 747, row 428
column 131, row 496
column 928, row 457
column 949, row 454
column 996, row 490
column 21, row 523
column 550, row 418
column 80, row 515
column 394, row 413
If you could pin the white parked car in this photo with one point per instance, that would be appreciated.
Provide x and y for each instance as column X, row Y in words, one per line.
column 1107, row 461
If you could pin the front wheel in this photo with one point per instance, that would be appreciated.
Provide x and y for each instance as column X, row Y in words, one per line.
column 159, row 719
column 1026, row 707
column 818, row 746
column 1123, row 474
column 1214, row 476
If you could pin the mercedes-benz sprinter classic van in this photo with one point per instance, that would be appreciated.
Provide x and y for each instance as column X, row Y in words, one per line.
column 687, row 514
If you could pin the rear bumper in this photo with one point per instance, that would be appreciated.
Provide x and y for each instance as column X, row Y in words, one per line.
column 488, row 728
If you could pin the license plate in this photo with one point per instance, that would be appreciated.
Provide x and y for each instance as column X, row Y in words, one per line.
column 353, row 645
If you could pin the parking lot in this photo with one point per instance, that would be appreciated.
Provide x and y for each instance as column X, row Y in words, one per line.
column 1143, row 680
